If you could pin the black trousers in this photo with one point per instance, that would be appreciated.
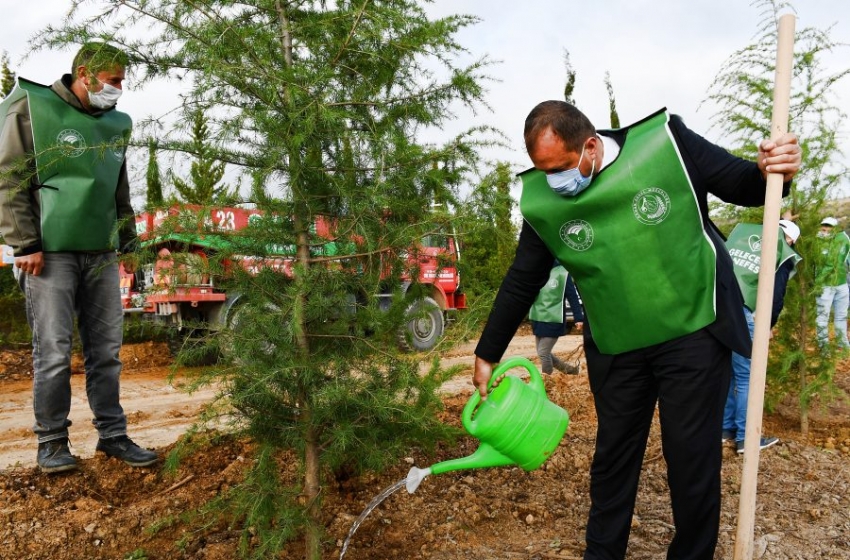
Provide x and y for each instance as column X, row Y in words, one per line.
column 688, row 378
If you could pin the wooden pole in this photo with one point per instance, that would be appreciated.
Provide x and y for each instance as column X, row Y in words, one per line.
column 764, row 296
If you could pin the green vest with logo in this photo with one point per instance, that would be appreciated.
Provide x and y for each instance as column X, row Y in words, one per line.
column 634, row 241
column 78, row 159
column 549, row 305
column 834, row 255
column 744, row 245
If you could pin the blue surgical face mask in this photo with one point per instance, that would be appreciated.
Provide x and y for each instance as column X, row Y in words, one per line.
column 570, row 182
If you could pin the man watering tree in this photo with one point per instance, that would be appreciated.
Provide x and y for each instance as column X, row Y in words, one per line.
column 626, row 212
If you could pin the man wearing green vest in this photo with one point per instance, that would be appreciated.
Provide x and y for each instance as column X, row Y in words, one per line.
column 831, row 274
column 65, row 211
column 744, row 246
column 626, row 212
column 548, row 318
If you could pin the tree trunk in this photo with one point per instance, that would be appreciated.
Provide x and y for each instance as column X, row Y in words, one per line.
column 312, row 467
column 312, row 470
column 312, row 485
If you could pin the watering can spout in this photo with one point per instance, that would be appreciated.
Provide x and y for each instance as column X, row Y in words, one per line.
column 485, row 456
column 414, row 478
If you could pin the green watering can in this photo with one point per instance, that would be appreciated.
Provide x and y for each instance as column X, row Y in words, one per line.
column 517, row 425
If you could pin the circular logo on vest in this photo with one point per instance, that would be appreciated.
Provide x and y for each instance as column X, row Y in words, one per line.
column 754, row 242
column 577, row 234
column 651, row 206
column 116, row 147
column 71, row 143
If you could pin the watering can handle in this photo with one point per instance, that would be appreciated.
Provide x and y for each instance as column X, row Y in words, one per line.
column 536, row 383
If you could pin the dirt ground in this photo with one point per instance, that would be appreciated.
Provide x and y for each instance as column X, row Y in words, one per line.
column 108, row 510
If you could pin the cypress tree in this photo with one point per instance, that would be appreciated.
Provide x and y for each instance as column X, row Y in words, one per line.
column 7, row 77
column 154, row 198
column 320, row 105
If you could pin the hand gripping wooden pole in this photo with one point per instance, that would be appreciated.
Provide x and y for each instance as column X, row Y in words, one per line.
column 764, row 295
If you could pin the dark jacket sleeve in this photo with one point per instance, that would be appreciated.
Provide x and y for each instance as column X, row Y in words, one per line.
column 730, row 178
column 780, row 284
column 527, row 274
column 19, row 214
column 127, row 238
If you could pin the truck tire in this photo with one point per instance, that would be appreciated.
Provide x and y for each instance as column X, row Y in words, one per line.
column 237, row 317
column 191, row 348
column 424, row 327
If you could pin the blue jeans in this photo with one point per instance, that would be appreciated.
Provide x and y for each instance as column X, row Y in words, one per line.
column 85, row 287
column 735, row 413
column 836, row 299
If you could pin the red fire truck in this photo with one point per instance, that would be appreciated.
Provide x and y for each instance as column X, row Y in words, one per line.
column 177, row 293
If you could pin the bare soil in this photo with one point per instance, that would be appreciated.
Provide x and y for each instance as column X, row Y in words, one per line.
column 107, row 510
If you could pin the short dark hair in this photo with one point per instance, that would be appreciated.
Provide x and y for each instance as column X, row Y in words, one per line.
column 568, row 123
column 98, row 56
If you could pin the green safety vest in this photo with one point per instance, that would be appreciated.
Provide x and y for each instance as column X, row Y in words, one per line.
column 744, row 245
column 634, row 241
column 78, row 159
column 548, row 307
column 834, row 255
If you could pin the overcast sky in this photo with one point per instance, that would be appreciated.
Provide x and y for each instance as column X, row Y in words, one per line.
column 658, row 53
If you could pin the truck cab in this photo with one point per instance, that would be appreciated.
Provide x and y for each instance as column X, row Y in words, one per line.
column 173, row 291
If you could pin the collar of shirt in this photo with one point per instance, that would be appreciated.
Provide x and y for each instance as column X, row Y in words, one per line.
column 611, row 150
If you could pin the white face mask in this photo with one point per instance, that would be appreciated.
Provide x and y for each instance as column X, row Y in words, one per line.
column 105, row 98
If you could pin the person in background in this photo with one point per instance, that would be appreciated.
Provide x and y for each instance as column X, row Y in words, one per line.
column 548, row 318
column 831, row 273
column 65, row 211
column 626, row 212
column 744, row 254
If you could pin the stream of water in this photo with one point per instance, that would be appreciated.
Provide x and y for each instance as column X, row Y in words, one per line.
column 376, row 501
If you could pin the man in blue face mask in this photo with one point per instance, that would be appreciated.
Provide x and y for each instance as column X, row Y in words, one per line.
column 571, row 182
column 626, row 212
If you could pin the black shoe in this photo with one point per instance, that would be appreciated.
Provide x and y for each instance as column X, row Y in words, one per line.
column 764, row 443
column 123, row 448
column 54, row 456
